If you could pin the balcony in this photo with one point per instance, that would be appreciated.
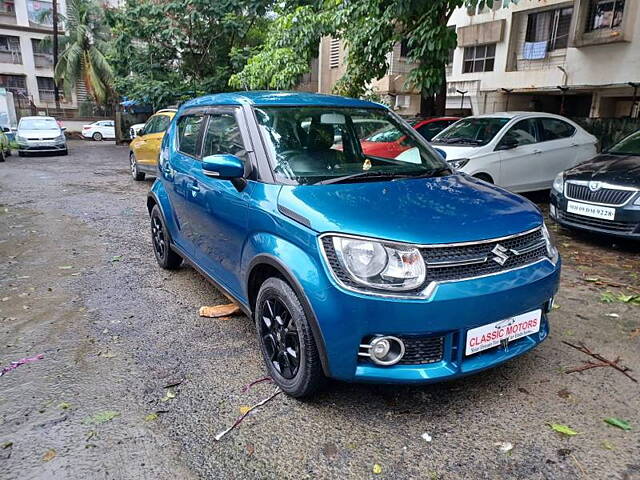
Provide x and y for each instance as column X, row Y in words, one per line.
column 7, row 15
column 43, row 60
column 11, row 56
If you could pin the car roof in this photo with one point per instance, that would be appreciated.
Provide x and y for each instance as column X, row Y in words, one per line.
column 519, row 114
column 37, row 117
column 279, row 98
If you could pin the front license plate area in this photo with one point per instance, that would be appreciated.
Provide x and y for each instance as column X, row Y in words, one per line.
column 588, row 210
column 510, row 329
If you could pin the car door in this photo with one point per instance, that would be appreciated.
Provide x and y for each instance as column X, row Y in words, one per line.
column 153, row 140
column 109, row 129
column 139, row 144
column 558, row 147
column 176, row 174
column 220, row 213
column 519, row 156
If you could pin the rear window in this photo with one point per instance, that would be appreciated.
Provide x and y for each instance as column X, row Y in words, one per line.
column 554, row 129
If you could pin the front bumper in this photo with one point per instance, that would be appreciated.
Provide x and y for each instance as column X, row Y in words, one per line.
column 345, row 318
column 42, row 147
column 626, row 223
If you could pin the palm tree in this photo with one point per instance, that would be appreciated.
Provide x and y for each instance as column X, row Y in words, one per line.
column 83, row 51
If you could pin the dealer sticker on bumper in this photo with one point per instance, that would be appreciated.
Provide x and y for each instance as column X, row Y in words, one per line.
column 587, row 210
column 491, row 335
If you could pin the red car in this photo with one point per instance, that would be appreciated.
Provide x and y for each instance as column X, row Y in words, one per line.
column 389, row 143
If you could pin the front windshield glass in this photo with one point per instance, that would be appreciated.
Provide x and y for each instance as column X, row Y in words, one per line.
column 627, row 146
column 38, row 124
column 471, row 131
column 325, row 144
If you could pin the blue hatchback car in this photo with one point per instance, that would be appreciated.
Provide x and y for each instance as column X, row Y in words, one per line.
column 389, row 268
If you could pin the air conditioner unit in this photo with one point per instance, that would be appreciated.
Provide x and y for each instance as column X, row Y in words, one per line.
column 403, row 101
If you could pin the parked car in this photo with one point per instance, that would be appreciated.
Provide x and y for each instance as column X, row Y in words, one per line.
column 40, row 135
column 521, row 151
column 100, row 130
column 135, row 129
column 5, row 148
column 145, row 148
column 389, row 139
column 603, row 194
column 353, row 266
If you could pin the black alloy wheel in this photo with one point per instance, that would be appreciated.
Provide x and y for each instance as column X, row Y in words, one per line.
column 280, row 337
column 166, row 257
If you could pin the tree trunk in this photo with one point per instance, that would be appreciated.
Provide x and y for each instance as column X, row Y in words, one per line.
column 54, row 15
column 440, row 106
column 427, row 105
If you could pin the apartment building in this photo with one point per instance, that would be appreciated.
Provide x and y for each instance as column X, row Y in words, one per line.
column 26, row 65
column 576, row 57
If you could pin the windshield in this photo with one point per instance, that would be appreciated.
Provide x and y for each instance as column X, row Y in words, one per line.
column 316, row 144
column 38, row 124
column 471, row 131
column 627, row 146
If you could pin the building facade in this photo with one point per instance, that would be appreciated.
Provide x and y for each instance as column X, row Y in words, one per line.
column 575, row 57
column 26, row 62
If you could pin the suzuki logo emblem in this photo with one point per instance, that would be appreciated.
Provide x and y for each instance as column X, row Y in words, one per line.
column 594, row 186
column 500, row 254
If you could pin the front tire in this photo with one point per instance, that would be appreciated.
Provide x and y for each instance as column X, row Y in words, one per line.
column 166, row 257
column 286, row 340
column 97, row 137
column 135, row 173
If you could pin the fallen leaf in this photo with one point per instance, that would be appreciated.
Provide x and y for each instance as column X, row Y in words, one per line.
column 555, row 307
column 6, row 445
column 101, row 417
column 612, row 315
column 4, row 299
column 592, row 279
column 244, row 409
column 607, row 444
column 219, row 310
column 377, row 469
column 563, row 429
column 607, row 297
column 150, row 417
column 635, row 333
column 66, row 267
column 49, row 455
column 504, row 446
column 116, row 258
column 64, row 405
column 616, row 422
column 564, row 393
column 168, row 396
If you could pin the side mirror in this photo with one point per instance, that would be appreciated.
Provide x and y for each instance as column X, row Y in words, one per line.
column 6, row 129
column 507, row 144
column 64, row 129
column 224, row 166
column 442, row 153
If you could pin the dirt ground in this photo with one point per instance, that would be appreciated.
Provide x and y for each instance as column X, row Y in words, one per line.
column 134, row 384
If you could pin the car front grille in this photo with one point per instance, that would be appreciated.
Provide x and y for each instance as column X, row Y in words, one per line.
column 478, row 259
column 604, row 196
column 609, row 225
column 455, row 262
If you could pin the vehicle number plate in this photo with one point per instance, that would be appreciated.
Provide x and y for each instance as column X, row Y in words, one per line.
column 588, row 210
column 510, row 329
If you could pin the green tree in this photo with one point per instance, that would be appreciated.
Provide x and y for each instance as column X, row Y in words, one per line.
column 168, row 51
column 84, row 50
column 369, row 30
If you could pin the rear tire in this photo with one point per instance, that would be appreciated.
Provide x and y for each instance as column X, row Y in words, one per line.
column 286, row 340
column 166, row 257
column 135, row 173
column 97, row 137
column 2, row 154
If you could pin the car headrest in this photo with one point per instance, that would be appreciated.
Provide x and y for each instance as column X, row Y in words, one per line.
column 320, row 137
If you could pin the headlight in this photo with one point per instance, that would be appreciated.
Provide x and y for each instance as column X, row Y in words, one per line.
column 558, row 183
column 552, row 251
column 61, row 138
column 377, row 265
column 458, row 164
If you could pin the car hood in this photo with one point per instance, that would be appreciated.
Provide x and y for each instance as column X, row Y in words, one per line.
column 621, row 170
column 456, row 152
column 455, row 208
column 39, row 133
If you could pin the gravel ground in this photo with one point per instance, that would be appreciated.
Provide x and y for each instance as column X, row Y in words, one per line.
column 134, row 384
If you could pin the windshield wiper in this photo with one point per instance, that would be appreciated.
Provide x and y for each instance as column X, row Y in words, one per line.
column 462, row 140
column 359, row 175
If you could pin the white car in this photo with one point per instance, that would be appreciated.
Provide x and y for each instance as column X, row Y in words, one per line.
column 521, row 151
column 99, row 130
column 40, row 135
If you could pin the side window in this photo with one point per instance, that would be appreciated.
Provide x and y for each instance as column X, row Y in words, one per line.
column 148, row 127
column 162, row 124
column 522, row 133
column 554, row 129
column 223, row 136
column 188, row 130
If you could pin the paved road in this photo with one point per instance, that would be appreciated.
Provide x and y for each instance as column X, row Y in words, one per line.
column 78, row 282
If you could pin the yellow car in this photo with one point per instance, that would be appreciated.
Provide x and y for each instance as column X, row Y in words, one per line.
column 145, row 148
